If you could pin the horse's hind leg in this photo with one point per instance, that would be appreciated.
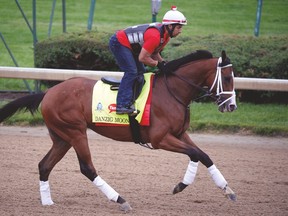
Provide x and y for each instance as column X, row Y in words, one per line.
column 56, row 153
column 80, row 143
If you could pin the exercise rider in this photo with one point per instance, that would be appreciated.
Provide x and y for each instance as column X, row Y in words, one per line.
column 141, row 45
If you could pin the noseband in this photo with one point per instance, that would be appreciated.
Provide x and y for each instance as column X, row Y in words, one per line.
column 208, row 93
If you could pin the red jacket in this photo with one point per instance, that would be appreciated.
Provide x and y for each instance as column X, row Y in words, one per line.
column 147, row 36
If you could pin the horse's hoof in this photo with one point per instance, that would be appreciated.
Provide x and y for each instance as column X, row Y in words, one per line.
column 229, row 193
column 125, row 207
column 179, row 187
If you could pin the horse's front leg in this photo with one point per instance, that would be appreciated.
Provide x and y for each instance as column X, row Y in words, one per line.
column 186, row 146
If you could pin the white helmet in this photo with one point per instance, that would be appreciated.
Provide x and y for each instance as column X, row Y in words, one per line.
column 174, row 16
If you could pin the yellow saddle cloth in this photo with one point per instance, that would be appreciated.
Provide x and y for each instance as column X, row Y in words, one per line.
column 104, row 105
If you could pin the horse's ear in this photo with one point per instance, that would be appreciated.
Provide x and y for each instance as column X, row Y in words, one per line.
column 223, row 55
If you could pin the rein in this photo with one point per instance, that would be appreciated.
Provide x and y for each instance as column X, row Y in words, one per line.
column 208, row 93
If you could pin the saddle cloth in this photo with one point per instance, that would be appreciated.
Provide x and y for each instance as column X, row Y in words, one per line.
column 104, row 105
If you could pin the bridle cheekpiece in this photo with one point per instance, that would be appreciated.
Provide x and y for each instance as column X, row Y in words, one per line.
column 218, row 82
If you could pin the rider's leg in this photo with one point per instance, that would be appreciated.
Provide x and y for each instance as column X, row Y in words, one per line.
column 126, row 61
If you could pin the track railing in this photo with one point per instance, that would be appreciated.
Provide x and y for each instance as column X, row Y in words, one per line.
column 63, row 74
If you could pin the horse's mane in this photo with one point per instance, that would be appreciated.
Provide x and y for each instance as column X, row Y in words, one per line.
column 194, row 56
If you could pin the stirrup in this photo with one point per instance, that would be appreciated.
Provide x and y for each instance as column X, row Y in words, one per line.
column 124, row 110
column 134, row 113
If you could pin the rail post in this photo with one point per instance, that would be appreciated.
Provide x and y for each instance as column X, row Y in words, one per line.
column 258, row 18
column 155, row 7
column 91, row 14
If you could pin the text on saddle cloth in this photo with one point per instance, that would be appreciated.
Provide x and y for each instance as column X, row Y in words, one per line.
column 104, row 105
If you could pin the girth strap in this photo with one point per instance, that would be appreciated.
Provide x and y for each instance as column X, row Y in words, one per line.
column 135, row 131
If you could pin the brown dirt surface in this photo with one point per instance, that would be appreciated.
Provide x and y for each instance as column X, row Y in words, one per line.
column 255, row 167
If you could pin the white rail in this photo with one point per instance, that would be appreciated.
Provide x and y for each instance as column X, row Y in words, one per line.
column 61, row 74
column 53, row 74
column 261, row 84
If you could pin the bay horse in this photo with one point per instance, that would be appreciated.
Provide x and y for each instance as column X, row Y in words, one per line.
column 66, row 110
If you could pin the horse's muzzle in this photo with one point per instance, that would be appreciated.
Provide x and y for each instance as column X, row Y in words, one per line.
column 227, row 105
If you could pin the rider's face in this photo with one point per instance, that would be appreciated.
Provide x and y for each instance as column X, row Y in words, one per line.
column 177, row 30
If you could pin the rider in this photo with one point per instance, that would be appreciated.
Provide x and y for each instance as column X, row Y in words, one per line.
column 138, row 45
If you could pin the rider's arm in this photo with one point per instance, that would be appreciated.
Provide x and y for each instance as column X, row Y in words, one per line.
column 146, row 58
column 149, row 54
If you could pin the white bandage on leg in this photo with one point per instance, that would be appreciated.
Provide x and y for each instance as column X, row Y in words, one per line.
column 110, row 193
column 45, row 193
column 190, row 173
column 217, row 177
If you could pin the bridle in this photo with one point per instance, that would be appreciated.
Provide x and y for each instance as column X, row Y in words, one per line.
column 208, row 93
column 218, row 81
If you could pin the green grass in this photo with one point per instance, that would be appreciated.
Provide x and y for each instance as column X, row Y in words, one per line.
column 268, row 119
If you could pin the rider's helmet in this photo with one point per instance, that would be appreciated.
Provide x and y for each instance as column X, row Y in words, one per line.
column 174, row 16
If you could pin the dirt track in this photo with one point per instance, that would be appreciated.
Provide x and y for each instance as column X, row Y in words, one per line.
column 255, row 167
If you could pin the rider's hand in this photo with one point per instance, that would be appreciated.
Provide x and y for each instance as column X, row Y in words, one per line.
column 161, row 66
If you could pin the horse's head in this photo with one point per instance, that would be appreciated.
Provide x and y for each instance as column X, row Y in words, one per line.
column 223, row 85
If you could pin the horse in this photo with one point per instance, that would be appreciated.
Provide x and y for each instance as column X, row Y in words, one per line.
column 66, row 110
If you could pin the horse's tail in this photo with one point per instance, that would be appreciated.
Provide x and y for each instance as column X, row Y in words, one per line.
column 28, row 103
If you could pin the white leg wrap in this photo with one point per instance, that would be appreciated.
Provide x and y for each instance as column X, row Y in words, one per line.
column 45, row 193
column 190, row 173
column 217, row 177
column 106, row 189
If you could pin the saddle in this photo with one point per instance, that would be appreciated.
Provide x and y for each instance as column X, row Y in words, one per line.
column 115, row 83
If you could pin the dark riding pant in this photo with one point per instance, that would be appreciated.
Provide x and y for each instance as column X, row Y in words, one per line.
column 132, row 67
